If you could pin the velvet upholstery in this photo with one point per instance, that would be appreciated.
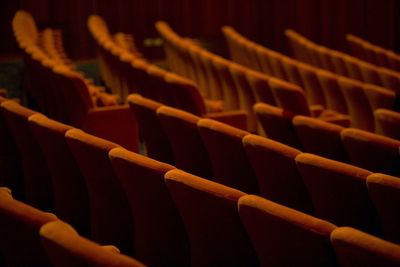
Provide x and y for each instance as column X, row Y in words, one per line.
column 387, row 123
column 372, row 151
column 286, row 237
column 276, row 172
column 10, row 160
column 277, row 124
column 189, row 151
column 339, row 192
column 152, row 133
column 65, row 247
column 320, row 138
column 228, row 158
column 37, row 180
column 71, row 201
column 110, row 216
column 209, row 212
column 19, row 232
column 384, row 191
column 159, row 235
column 355, row 248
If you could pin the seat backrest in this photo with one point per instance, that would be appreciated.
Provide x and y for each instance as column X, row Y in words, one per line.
column 276, row 172
column 152, row 133
column 320, row 138
column 11, row 174
column 358, row 249
column 65, row 247
column 289, row 97
column 259, row 84
column 371, row 151
column 206, row 208
column 71, row 201
column 334, row 97
column 359, row 109
column 338, row 192
column 189, row 151
column 109, row 209
column 277, row 124
column 384, row 191
column 37, row 180
column 159, row 234
column 387, row 123
column 19, row 232
column 228, row 158
column 286, row 237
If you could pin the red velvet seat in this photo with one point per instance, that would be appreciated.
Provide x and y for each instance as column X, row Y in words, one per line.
column 19, row 232
column 110, row 216
column 71, row 201
column 228, row 158
column 285, row 237
column 358, row 249
column 65, row 248
column 276, row 171
column 339, row 192
column 209, row 212
column 159, row 235
column 37, row 180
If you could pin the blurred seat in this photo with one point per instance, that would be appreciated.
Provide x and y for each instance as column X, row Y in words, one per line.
column 37, row 180
column 358, row 249
column 65, row 247
column 384, row 191
column 159, row 235
column 110, row 215
column 154, row 138
column 371, row 151
column 209, row 212
column 339, row 192
column 228, row 158
column 320, row 138
column 71, row 202
column 387, row 123
column 286, row 237
column 277, row 124
column 19, row 232
column 276, row 172
column 189, row 151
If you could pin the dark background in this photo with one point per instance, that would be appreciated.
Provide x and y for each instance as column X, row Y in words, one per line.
column 324, row 21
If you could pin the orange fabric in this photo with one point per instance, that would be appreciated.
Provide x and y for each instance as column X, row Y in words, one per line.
column 65, row 248
column 159, row 235
column 206, row 208
column 285, row 237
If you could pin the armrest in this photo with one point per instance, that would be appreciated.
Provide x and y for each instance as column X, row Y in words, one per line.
column 111, row 248
column 114, row 123
column 335, row 117
column 236, row 118
column 316, row 110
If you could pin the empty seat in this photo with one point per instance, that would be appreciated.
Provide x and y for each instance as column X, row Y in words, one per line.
column 357, row 249
column 19, row 232
column 209, row 212
column 277, row 124
column 339, row 192
column 189, row 151
column 71, row 201
column 109, row 208
column 228, row 158
column 10, row 160
column 276, row 172
column 159, row 235
column 65, row 247
column 286, row 237
column 384, row 191
column 37, row 180
column 387, row 123
column 371, row 151
column 152, row 133
column 320, row 137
